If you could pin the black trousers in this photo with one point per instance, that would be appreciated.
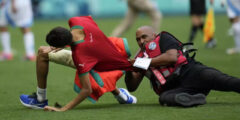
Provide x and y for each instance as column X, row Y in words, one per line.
column 196, row 78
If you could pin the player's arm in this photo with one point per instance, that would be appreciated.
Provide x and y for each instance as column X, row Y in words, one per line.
column 83, row 94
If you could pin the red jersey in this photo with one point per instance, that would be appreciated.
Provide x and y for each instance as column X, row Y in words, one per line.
column 96, row 51
column 102, row 82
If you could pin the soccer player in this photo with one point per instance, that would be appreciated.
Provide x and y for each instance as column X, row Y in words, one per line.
column 16, row 13
column 93, row 54
column 197, row 12
column 134, row 8
column 176, row 77
column 233, row 12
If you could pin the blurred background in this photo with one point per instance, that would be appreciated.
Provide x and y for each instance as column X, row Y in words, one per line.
column 17, row 76
column 108, row 8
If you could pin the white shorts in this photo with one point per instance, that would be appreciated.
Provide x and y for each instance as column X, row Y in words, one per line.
column 63, row 57
column 233, row 8
column 22, row 18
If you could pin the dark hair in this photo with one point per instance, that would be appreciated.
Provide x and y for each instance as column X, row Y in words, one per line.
column 59, row 37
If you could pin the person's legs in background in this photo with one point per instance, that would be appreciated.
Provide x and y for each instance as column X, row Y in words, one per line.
column 6, row 53
column 236, row 35
column 28, row 38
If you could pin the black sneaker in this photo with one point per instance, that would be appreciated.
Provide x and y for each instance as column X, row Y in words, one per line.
column 187, row 100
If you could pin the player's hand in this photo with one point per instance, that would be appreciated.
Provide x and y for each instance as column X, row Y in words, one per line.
column 49, row 108
column 54, row 49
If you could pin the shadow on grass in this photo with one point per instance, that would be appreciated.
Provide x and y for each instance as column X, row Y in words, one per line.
column 116, row 105
column 223, row 104
column 139, row 106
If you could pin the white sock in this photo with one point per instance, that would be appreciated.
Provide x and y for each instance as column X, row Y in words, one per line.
column 6, row 44
column 121, row 96
column 236, row 29
column 29, row 43
column 41, row 94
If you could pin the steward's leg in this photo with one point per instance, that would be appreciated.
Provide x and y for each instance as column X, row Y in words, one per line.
column 220, row 81
column 181, row 97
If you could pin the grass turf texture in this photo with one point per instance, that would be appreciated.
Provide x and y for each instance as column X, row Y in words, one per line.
column 18, row 77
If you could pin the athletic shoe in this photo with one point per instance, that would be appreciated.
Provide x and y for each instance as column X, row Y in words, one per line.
column 30, row 58
column 187, row 100
column 211, row 43
column 130, row 98
column 6, row 56
column 31, row 101
column 231, row 51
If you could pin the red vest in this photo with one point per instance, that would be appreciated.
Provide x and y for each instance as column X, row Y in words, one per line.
column 153, row 50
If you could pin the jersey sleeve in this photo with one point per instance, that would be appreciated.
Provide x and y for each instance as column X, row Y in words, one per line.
column 74, row 22
column 78, row 22
column 167, row 42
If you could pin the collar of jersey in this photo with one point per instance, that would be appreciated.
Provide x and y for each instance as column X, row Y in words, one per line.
column 77, row 27
column 78, row 42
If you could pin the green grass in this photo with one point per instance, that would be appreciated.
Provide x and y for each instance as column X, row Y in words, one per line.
column 18, row 76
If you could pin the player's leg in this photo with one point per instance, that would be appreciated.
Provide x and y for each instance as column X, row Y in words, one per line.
column 28, row 38
column 151, row 10
column 126, row 23
column 6, row 44
column 5, row 36
column 39, row 100
column 123, row 96
column 236, row 30
column 61, row 57
column 24, row 20
column 233, row 11
column 196, row 24
column 44, row 56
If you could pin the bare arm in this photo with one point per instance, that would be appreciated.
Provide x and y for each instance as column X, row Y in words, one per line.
column 84, row 93
column 167, row 58
column 133, row 79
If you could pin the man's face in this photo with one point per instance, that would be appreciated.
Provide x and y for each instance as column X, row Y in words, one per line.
column 143, row 37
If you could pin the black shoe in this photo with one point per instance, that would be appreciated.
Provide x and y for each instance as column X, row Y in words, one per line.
column 187, row 100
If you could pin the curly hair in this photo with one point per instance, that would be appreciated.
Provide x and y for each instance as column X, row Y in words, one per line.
column 59, row 37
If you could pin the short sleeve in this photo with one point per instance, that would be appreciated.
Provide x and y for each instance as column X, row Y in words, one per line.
column 167, row 42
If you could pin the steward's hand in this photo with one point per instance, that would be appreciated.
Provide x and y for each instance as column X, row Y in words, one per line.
column 131, row 61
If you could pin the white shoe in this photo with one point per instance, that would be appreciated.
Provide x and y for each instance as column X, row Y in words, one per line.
column 231, row 51
column 130, row 98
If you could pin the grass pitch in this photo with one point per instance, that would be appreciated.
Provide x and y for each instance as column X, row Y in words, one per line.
column 18, row 77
